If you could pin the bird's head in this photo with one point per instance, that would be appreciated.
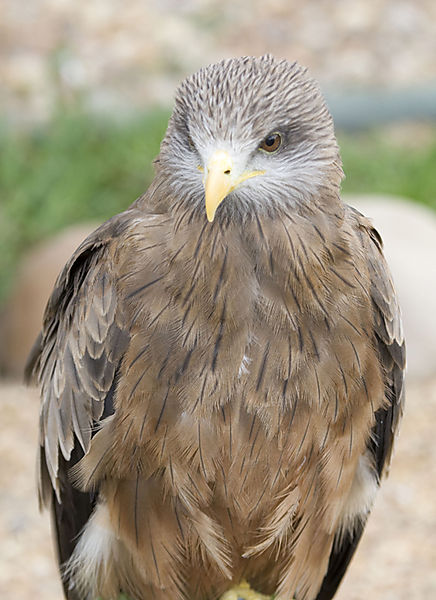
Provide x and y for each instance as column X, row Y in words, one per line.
column 250, row 135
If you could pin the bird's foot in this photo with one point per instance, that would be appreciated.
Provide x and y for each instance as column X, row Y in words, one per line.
column 243, row 591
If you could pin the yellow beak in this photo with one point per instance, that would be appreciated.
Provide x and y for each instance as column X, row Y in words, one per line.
column 219, row 181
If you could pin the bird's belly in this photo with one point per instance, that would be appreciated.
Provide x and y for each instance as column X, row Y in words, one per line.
column 221, row 475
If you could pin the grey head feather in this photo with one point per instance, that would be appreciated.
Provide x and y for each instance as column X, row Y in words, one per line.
column 234, row 105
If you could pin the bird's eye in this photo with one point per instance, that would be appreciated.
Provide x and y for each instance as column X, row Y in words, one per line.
column 271, row 143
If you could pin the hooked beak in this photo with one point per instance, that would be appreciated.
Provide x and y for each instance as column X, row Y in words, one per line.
column 220, row 180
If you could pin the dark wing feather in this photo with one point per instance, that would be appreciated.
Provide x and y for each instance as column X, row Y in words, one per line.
column 390, row 343
column 71, row 512
column 75, row 360
column 338, row 563
column 389, row 340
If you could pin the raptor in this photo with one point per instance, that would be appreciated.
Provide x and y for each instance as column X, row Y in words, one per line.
column 221, row 365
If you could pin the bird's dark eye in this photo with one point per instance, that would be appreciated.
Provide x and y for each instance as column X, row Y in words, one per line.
column 271, row 143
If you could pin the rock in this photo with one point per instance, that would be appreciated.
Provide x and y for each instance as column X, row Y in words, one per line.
column 22, row 316
column 409, row 234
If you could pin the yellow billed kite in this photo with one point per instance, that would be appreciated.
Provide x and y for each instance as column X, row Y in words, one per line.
column 221, row 365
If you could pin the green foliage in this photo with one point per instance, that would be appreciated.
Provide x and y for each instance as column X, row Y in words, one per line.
column 372, row 164
column 75, row 169
column 79, row 168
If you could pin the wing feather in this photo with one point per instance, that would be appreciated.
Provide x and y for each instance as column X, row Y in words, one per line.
column 76, row 355
column 389, row 340
column 75, row 360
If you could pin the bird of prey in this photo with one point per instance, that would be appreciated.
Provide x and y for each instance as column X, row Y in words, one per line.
column 221, row 365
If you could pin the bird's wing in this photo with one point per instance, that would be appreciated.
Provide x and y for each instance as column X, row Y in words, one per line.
column 75, row 360
column 390, row 343
column 388, row 337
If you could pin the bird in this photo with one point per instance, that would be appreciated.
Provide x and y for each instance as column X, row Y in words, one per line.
column 221, row 365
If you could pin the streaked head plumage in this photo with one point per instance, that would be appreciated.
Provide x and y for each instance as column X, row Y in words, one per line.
column 234, row 106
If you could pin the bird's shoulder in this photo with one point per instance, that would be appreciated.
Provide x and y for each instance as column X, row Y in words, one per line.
column 98, row 259
column 382, row 288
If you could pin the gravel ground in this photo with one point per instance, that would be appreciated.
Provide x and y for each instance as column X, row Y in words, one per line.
column 112, row 56
column 396, row 559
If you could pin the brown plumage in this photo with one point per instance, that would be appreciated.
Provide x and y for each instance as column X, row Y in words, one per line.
column 219, row 398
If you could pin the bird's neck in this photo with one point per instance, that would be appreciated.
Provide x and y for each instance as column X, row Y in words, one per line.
column 263, row 259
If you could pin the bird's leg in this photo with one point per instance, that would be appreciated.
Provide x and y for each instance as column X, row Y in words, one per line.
column 243, row 591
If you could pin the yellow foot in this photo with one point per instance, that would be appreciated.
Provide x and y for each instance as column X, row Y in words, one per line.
column 243, row 592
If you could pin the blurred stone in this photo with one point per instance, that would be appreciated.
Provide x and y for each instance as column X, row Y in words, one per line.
column 21, row 318
column 409, row 234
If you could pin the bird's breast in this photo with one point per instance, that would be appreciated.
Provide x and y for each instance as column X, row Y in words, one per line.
column 242, row 339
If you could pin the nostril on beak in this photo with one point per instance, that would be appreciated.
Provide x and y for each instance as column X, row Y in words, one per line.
column 227, row 172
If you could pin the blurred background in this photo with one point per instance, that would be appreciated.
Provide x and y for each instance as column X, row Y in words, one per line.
column 85, row 94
